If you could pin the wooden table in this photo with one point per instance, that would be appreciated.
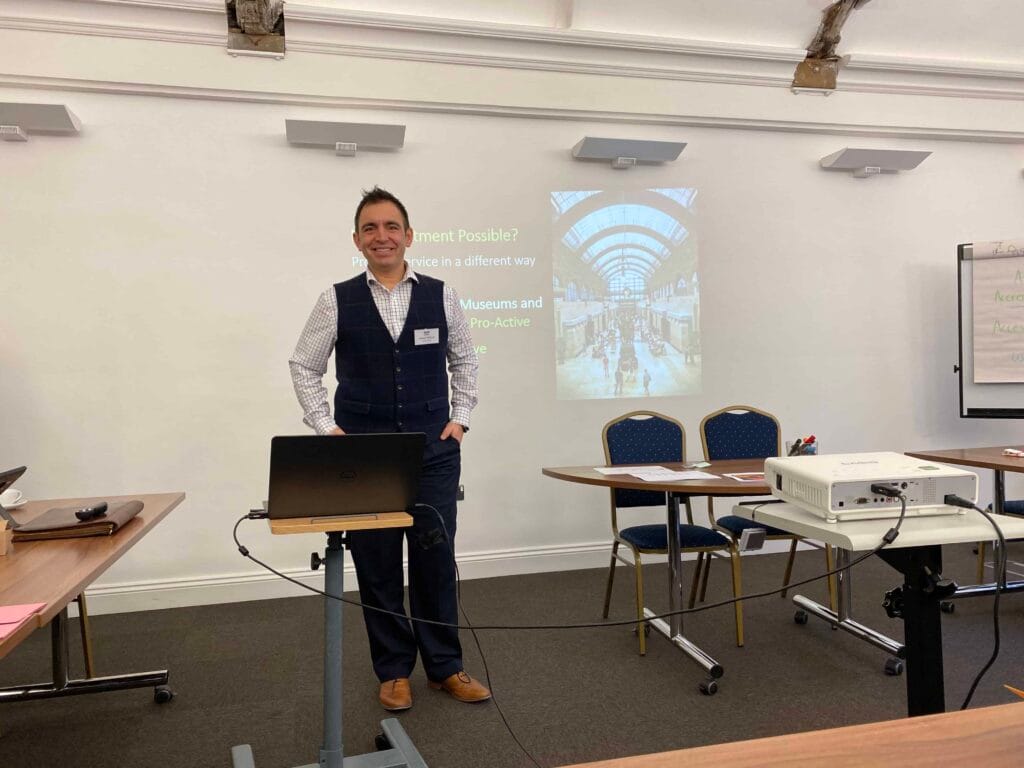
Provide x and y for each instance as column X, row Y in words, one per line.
column 982, row 458
column 989, row 736
column 55, row 572
column 676, row 492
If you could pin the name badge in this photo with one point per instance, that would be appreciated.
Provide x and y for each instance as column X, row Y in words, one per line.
column 427, row 336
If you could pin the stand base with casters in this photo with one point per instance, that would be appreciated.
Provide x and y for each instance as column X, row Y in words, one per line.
column 396, row 749
column 843, row 620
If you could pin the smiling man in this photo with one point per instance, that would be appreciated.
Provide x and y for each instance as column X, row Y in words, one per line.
column 396, row 335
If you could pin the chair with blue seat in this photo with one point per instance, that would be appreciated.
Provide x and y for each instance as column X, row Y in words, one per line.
column 647, row 437
column 745, row 432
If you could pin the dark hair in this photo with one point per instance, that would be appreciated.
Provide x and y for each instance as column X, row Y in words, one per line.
column 378, row 195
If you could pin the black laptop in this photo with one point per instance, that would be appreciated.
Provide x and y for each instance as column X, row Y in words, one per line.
column 336, row 475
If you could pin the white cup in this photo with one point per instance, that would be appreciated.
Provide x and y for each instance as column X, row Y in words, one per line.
column 10, row 497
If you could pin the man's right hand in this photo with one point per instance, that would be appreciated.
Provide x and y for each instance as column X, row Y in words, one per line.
column 336, row 431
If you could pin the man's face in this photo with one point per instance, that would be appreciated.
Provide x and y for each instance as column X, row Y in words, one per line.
column 382, row 236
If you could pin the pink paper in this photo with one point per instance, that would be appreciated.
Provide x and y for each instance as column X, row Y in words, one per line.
column 13, row 616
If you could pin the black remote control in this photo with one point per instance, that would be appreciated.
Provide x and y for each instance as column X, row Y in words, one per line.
column 88, row 513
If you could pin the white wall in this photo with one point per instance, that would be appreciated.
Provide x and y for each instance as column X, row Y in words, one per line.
column 158, row 268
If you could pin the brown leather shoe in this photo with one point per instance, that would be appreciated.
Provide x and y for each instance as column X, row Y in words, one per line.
column 395, row 695
column 463, row 688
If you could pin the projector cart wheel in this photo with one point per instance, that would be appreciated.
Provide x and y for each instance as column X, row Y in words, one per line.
column 162, row 694
column 800, row 617
column 709, row 687
column 947, row 606
column 380, row 741
column 893, row 667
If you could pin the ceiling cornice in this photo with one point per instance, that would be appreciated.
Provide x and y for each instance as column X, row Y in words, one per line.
column 325, row 31
column 874, row 130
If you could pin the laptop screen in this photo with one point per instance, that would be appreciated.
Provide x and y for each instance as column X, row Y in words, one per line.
column 334, row 475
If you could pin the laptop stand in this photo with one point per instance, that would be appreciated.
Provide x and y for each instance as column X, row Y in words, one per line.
column 396, row 748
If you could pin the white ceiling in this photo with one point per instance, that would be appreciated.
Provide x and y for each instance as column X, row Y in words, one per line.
column 981, row 31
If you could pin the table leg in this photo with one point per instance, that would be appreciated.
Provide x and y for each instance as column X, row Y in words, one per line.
column 675, row 567
column 673, row 628
column 998, row 503
column 999, row 492
column 922, row 623
column 842, row 617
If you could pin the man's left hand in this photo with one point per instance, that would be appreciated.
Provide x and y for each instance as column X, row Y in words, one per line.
column 453, row 429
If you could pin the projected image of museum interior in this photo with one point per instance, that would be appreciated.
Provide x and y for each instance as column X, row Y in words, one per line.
column 626, row 293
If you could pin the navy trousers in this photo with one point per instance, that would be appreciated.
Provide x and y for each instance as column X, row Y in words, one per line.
column 377, row 556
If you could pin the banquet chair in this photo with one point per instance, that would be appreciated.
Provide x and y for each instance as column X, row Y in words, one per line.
column 745, row 432
column 86, row 632
column 647, row 437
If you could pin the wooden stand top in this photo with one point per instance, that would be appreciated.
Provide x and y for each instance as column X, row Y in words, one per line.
column 341, row 523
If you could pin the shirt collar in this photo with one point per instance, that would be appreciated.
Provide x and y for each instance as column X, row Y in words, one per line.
column 409, row 275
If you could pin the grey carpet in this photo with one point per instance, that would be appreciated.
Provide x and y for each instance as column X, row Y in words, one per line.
column 251, row 673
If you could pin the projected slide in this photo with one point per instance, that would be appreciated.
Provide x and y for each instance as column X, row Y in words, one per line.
column 626, row 294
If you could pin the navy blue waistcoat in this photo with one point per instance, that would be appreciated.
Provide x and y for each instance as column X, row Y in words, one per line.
column 384, row 385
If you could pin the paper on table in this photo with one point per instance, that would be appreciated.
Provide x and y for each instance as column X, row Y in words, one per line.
column 13, row 616
column 671, row 475
column 628, row 470
column 747, row 477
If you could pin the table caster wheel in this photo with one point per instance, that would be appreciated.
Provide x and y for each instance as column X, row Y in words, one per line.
column 380, row 741
column 709, row 687
column 162, row 694
column 893, row 667
column 800, row 617
column 947, row 606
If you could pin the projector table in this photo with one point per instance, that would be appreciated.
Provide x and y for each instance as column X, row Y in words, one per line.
column 917, row 555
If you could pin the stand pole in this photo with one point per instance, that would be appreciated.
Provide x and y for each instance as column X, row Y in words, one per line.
column 331, row 753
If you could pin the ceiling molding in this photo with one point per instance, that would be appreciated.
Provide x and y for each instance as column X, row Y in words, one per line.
column 497, row 110
column 513, row 32
column 325, row 31
column 932, row 67
column 122, row 31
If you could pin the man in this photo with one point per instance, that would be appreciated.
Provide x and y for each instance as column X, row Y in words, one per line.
column 392, row 332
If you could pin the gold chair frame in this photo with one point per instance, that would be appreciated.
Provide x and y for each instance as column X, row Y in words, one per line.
column 641, row 625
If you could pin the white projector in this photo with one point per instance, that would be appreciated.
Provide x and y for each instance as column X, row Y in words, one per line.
column 838, row 486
